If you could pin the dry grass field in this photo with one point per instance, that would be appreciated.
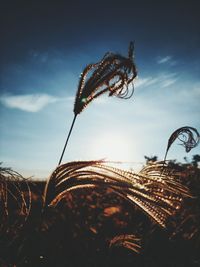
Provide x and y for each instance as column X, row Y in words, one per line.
column 90, row 223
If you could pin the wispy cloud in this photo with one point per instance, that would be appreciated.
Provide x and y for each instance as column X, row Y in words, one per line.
column 190, row 94
column 145, row 81
column 28, row 102
column 162, row 60
column 166, row 60
column 161, row 80
column 39, row 56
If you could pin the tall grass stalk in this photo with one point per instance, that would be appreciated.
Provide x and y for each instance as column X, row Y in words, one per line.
column 113, row 74
column 70, row 131
column 188, row 136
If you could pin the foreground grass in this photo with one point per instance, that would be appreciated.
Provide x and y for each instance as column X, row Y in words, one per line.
column 81, row 230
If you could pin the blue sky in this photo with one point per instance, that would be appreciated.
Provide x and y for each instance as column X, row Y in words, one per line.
column 45, row 47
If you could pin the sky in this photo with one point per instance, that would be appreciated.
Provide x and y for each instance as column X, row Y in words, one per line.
column 44, row 47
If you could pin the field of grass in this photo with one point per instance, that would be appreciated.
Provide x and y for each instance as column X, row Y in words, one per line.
column 96, row 226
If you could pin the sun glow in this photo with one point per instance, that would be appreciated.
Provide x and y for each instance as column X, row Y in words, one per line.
column 112, row 146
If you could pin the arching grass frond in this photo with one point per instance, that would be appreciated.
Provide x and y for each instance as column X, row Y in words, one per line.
column 130, row 242
column 188, row 136
column 157, row 195
column 113, row 74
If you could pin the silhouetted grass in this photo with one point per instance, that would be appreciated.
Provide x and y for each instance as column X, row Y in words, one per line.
column 96, row 226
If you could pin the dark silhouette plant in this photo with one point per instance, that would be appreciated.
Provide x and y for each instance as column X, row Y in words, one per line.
column 188, row 136
column 113, row 74
column 157, row 194
column 15, row 199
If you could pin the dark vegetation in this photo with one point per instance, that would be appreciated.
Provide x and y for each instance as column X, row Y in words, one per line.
column 96, row 226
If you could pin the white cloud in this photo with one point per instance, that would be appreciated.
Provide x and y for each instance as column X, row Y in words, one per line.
column 164, row 59
column 39, row 56
column 168, row 82
column 146, row 81
column 29, row 102
column 167, row 59
column 161, row 80
column 190, row 93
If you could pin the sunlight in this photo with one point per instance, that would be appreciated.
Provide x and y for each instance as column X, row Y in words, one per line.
column 112, row 146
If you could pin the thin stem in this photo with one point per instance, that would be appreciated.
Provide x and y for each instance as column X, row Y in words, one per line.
column 163, row 166
column 165, row 157
column 67, row 139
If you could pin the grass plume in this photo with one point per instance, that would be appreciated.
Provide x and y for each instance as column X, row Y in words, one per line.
column 158, row 195
column 188, row 136
column 15, row 203
column 113, row 74
column 130, row 242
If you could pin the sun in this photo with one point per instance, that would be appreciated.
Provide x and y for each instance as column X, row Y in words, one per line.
column 111, row 146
